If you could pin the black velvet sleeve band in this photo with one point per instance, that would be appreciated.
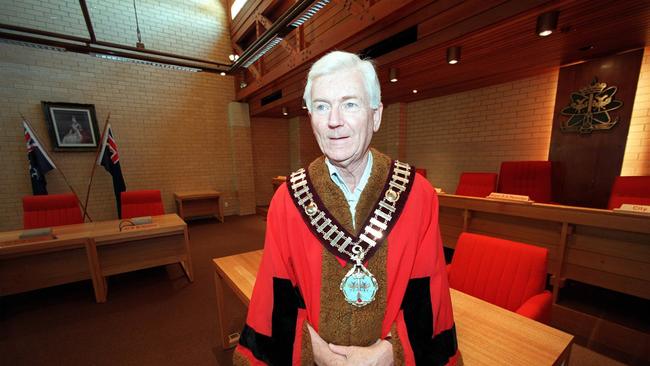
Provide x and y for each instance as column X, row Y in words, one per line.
column 418, row 316
column 277, row 349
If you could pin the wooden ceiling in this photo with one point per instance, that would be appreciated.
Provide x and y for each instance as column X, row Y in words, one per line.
column 497, row 39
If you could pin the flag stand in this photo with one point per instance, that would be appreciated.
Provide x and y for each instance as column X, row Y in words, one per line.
column 85, row 214
column 92, row 173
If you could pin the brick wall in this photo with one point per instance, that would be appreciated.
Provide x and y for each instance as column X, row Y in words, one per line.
column 636, row 160
column 387, row 138
column 309, row 149
column 171, row 126
column 478, row 129
column 270, row 138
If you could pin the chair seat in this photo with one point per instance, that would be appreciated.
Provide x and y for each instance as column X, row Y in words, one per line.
column 528, row 178
column 51, row 210
column 509, row 274
column 476, row 184
column 632, row 190
column 141, row 203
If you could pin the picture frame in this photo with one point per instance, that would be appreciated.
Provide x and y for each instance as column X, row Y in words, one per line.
column 72, row 126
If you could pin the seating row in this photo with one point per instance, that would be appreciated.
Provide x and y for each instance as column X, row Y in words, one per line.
column 63, row 209
column 533, row 179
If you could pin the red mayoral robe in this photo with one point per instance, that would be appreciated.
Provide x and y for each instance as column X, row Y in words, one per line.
column 299, row 279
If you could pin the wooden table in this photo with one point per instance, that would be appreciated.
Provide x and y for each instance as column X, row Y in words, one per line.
column 193, row 204
column 487, row 334
column 91, row 251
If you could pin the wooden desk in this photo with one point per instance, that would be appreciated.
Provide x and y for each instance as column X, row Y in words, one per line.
column 277, row 181
column 91, row 251
column 598, row 247
column 487, row 334
column 40, row 263
column 193, row 204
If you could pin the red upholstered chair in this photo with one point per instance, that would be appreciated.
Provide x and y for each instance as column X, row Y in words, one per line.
column 423, row 172
column 141, row 203
column 506, row 273
column 634, row 190
column 528, row 178
column 477, row 184
column 51, row 210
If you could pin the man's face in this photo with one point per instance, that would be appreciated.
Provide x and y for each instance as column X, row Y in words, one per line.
column 341, row 117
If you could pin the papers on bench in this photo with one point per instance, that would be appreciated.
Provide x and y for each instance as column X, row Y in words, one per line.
column 634, row 209
column 509, row 197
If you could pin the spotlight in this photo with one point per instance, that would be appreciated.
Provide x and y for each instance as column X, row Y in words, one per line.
column 453, row 55
column 222, row 73
column 392, row 75
column 285, row 112
column 415, row 91
column 546, row 23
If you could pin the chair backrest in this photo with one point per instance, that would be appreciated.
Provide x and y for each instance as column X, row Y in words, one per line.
column 477, row 184
column 529, row 178
column 503, row 272
column 141, row 203
column 51, row 210
column 634, row 190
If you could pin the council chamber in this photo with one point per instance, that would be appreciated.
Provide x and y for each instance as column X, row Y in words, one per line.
column 146, row 147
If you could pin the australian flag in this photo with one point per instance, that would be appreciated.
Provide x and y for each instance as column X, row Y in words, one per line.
column 110, row 160
column 39, row 162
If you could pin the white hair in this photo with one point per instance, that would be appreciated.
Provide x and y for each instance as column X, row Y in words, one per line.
column 338, row 60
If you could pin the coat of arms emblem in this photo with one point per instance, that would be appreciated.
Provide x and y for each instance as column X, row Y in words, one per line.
column 589, row 108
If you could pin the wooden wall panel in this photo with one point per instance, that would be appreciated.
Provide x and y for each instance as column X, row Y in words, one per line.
column 586, row 164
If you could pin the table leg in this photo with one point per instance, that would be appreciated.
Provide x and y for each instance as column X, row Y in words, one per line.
column 187, row 264
column 222, row 332
column 99, row 281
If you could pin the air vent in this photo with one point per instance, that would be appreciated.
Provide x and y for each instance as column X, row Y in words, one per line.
column 271, row 97
column 392, row 43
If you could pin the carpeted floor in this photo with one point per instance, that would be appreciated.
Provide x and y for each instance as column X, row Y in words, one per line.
column 152, row 317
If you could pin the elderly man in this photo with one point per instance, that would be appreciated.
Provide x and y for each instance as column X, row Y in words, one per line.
column 353, row 271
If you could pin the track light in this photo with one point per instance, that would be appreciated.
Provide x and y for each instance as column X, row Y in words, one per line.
column 310, row 13
column 285, row 111
column 264, row 49
column 453, row 55
column 392, row 74
column 547, row 23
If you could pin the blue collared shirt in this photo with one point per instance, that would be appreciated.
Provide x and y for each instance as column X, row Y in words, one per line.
column 351, row 197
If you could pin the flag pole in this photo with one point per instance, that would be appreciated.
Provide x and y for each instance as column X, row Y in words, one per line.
column 92, row 172
column 58, row 168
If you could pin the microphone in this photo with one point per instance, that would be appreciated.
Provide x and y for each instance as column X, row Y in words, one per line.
column 142, row 220
column 32, row 233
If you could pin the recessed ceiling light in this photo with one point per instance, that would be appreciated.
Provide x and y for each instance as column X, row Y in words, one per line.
column 453, row 55
column 392, row 75
column 415, row 91
column 546, row 23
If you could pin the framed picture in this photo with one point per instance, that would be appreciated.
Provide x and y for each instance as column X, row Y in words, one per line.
column 72, row 127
